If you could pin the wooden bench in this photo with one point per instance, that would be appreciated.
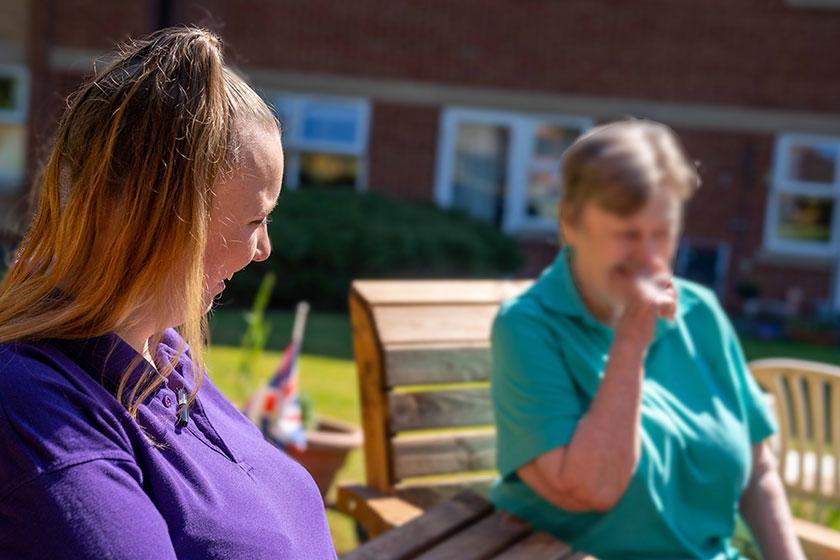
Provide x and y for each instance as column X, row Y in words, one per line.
column 465, row 527
column 423, row 366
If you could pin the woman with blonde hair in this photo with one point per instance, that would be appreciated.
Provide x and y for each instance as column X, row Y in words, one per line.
column 628, row 421
column 115, row 443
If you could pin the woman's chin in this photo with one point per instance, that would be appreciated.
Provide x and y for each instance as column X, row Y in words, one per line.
column 211, row 297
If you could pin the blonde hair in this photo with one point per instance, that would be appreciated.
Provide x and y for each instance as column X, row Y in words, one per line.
column 124, row 200
column 619, row 166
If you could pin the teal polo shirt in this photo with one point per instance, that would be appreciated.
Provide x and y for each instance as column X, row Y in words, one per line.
column 701, row 412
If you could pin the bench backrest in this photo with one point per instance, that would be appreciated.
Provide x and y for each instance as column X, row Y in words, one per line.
column 423, row 362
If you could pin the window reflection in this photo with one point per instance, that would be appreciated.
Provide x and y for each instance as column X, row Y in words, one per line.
column 544, row 175
column 805, row 218
column 481, row 170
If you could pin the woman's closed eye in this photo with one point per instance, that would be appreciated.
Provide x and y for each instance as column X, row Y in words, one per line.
column 265, row 221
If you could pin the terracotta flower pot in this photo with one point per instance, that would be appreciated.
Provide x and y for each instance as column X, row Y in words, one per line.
column 326, row 452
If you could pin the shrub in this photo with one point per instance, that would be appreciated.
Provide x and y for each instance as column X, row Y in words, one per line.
column 324, row 238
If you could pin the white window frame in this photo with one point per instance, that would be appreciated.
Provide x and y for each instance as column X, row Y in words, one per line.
column 781, row 184
column 522, row 128
column 294, row 143
column 16, row 116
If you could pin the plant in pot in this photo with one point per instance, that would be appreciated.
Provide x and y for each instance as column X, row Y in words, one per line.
column 287, row 419
column 328, row 443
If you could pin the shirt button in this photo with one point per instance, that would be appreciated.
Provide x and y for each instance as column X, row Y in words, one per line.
column 167, row 401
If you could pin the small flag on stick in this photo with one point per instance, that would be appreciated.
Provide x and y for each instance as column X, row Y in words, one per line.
column 275, row 408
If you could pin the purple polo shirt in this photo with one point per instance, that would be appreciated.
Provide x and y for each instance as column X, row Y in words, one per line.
column 78, row 479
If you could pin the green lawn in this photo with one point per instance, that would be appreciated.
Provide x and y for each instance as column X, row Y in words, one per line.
column 755, row 349
column 328, row 377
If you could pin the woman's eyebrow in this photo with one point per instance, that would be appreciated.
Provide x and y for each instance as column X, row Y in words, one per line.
column 270, row 210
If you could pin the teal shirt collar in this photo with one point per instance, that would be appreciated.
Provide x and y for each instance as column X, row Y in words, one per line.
column 557, row 291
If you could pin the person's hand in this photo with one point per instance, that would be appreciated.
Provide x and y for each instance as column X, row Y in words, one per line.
column 647, row 295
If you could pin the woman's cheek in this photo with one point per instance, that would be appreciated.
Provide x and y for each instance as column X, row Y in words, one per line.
column 249, row 249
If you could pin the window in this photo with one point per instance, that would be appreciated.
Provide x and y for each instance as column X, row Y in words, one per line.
column 325, row 140
column 704, row 261
column 14, row 87
column 802, row 213
column 504, row 168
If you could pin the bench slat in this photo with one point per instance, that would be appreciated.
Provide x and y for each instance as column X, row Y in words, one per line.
column 434, row 323
column 538, row 545
column 482, row 540
column 424, row 494
column 440, row 409
column 434, row 526
column 453, row 452
column 430, row 365
column 395, row 292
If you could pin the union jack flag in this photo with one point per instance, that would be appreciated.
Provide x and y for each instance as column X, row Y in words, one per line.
column 275, row 408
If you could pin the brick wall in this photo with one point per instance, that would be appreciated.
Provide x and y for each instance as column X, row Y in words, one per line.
column 86, row 24
column 13, row 19
column 751, row 52
column 403, row 148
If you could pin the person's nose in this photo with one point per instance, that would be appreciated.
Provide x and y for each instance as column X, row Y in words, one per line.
column 263, row 247
column 651, row 254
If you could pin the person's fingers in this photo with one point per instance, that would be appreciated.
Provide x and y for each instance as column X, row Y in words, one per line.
column 667, row 309
column 651, row 288
column 666, row 303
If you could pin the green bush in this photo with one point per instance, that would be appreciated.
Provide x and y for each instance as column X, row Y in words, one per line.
column 324, row 238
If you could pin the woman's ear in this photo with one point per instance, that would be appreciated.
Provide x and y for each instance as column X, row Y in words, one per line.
column 567, row 223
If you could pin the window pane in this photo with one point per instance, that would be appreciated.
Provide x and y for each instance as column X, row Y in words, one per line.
column 7, row 93
column 12, row 149
column 328, row 122
column 702, row 262
column 544, row 184
column 318, row 169
column 481, row 170
column 805, row 218
column 813, row 163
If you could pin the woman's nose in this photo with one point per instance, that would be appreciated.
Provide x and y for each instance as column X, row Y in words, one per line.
column 263, row 248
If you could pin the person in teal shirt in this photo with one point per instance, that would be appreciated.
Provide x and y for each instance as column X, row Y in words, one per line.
column 628, row 423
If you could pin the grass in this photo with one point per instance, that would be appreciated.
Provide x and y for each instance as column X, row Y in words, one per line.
column 755, row 349
column 328, row 378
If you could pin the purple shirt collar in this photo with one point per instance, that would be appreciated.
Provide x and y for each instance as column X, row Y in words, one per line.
column 111, row 356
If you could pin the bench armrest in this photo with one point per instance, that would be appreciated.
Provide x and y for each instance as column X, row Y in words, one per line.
column 375, row 511
column 818, row 542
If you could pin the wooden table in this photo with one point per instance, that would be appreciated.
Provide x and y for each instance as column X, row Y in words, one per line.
column 465, row 527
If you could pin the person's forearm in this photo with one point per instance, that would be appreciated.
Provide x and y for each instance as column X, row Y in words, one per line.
column 604, row 451
column 766, row 512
